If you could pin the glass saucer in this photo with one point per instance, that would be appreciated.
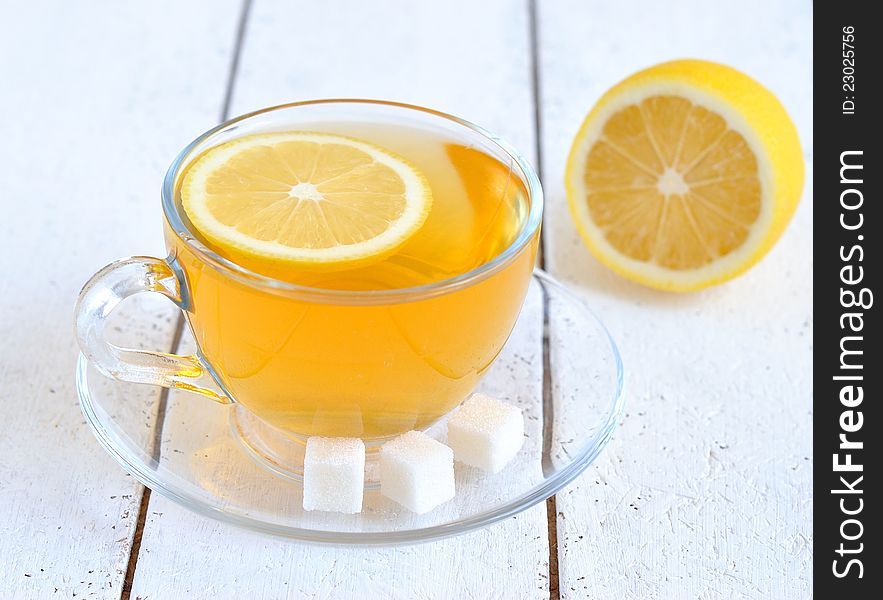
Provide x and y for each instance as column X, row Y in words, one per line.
column 560, row 366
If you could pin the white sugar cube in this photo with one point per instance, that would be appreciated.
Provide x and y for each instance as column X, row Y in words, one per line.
column 334, row 474
column 417, row 471
column 486, row 433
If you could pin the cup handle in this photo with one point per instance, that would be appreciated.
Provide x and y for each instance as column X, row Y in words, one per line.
column 101, row 295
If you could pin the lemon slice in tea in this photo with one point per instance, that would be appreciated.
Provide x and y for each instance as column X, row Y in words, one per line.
column 303, row 200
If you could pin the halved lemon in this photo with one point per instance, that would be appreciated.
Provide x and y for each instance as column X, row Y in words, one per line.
column 684, row 175
column 304, row 200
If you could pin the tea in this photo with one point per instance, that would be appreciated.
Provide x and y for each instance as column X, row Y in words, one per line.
column 341, row 364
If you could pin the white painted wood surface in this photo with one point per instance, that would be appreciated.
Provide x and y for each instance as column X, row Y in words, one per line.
column 95, row 101
column 705, row 492
column 431, row 55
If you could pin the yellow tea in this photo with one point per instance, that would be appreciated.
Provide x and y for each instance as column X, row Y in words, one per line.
column 357, row 351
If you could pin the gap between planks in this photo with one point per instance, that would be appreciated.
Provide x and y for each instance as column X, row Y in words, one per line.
column 548, row 404
column 156, row 454
column 156, row 447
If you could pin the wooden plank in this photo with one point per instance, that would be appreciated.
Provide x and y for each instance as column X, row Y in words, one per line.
column 96, row 100
column 478, row 67
column 705, row 491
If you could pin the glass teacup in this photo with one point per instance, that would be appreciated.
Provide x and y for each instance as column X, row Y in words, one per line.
column 355, row 355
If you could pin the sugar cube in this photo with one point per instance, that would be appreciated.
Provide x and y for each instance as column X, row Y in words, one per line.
column 334, row 474
column 417, row 471
column 486, row 433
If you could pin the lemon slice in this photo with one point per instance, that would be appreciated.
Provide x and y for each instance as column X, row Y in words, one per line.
column 304, row 200
column 684, row 175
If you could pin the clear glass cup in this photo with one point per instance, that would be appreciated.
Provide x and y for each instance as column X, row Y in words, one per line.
column 311, row 361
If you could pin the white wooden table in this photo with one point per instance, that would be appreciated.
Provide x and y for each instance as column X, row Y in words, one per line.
column 705, row 492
